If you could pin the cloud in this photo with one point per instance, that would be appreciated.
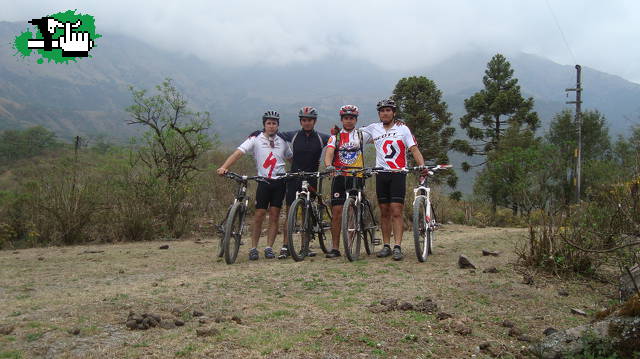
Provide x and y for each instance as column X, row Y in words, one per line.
column 400, row 34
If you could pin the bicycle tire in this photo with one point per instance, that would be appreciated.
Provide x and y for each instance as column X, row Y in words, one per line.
column 432, row 230
column 298, row 229
column 220, row 231
column 420, row 228
column 233, row 233
column 351, row 233
column 323, row 212
column 368, row 226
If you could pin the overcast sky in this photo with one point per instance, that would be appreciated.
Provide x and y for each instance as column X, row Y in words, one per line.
column 401, row 34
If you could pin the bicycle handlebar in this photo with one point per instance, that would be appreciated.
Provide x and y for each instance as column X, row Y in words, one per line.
column 238, row 178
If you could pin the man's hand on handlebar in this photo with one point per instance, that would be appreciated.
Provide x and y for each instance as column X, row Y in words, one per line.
column 222, row 171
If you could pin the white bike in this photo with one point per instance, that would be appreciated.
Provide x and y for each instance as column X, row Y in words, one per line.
column 424, row 217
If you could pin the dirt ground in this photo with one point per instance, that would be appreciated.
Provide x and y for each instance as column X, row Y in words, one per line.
column 73, row 302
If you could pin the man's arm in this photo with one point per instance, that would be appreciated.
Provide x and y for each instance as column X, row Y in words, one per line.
column 229, row 162
column 328, row 156
column 417, row 155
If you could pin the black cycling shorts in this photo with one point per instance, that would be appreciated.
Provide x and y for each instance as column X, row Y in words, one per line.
column 340, row 185
column 270, row 194
column 391, row 187
column 295, row 184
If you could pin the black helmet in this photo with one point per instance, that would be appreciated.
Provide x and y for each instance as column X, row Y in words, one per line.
column 387, row 102
column 272, row 115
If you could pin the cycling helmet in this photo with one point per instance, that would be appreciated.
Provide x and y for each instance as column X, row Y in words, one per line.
column 387, row 102
column 308, row 112
column 351, row 110
column 273, row 115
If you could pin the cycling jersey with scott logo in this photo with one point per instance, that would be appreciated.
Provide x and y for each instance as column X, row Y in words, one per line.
column 270, row 154
column 391, row 145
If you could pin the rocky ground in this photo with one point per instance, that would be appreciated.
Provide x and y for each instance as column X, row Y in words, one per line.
column 137, row 300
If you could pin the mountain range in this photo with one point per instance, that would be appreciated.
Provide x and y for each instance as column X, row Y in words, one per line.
column 88, row 97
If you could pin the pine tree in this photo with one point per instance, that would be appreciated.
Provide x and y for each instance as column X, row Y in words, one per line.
column 493, row 110
column 420, row 104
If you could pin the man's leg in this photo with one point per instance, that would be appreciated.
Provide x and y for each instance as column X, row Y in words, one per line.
column 385, row 222
column 397, row 222
column 336, row 225
column 258, row 218
column 274, row 219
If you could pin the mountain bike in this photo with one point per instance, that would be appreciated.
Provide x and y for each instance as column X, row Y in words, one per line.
column 308, row 216
column 235, row 224
column 424, row 217
column 358, row 223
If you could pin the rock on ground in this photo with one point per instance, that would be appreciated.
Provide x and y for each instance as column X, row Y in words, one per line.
column 622, row 333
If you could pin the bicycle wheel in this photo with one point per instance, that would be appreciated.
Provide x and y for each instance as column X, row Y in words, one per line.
column 351, row 233
column 324, row 219
column 220, row 232
column 233, row 233
column 420, row 228
column 432, row 229
column 369, row 228
column 297, row 229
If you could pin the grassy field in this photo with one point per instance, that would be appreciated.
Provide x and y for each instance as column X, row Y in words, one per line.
column 74, row 302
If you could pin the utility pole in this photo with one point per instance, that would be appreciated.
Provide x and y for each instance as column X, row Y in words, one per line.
column 578, row 154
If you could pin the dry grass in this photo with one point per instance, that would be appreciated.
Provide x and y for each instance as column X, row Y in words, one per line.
column 315, row 308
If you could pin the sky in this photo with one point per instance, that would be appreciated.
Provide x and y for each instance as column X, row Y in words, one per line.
column 398, row 35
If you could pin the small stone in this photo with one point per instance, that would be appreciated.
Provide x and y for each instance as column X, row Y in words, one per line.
column 166, row 246
column 525, row 338
column 236, row 319
column 6, row 329
column 207, row 332
column 40, row 258
column 563, row 293
column 197, row 313
column 514, row 332
column 461, row 328
column 484, row 345
column 156, row 317
column 527, row 279
column 578, row 312
column 74, row 331
column 549, row 331
column 491, row 270
column 153, row 322
column 443, row 316
column 219, row 319
column 486, row 252
column 390, row 303
column 177, row 311
column 178, row 322
column 143, row 326
column 154, row 284
column 202, row 321
column 464, row 262
column 121, row 271
column 406, row 306
column 167, row 324
column 426, row 306
column 508, row 324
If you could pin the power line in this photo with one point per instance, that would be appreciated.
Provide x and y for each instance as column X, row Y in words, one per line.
column 566, row 43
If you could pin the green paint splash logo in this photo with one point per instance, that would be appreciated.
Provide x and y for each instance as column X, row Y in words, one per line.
column 60, row 37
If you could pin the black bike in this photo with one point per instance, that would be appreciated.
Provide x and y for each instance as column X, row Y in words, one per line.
column 308, row 216
column 358, row 223
column 234, row 225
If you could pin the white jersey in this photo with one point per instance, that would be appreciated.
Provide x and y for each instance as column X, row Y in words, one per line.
column 391, row 145
column 270, row 154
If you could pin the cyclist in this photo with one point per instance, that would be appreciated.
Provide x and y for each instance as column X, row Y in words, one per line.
column 307, row 145
column 344, row 149
column 270, row 152
column 392, row 140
